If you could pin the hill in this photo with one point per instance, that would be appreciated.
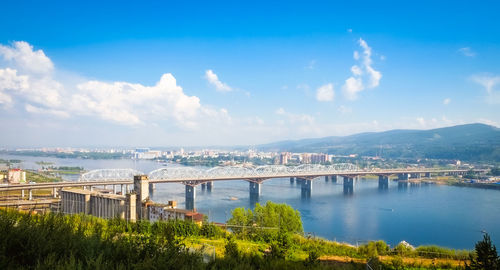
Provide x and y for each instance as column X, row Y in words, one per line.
column 471, row 142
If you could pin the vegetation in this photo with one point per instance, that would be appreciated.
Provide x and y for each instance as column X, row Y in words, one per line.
column 471, row 142
column 486, row 256
column 56, row 241
column 40, row 178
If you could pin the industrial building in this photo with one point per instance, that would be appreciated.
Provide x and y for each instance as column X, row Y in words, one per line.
column 76, row 201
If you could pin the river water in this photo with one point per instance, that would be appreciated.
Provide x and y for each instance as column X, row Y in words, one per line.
column 427, row 214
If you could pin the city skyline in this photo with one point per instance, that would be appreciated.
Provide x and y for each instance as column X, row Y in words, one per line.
column 226, row 74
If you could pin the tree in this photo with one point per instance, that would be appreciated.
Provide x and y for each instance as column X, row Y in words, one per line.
column 495, row 171
column 486, row 255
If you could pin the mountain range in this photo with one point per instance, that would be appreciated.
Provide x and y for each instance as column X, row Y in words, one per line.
column 471, row 142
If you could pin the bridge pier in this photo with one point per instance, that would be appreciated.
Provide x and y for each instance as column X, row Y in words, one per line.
column 349, row 185
column 255, row 188
column 30, row 196
column 22, row 193
column 210, row 185
column 292, row 179
column 403, row 176
column 190, row 197
column 383, row 182
column 306, row 188
column 203, row 186
column 334, row 178
column 416, row 175
column 326, row 178
column 54, row 193
column 427, row 175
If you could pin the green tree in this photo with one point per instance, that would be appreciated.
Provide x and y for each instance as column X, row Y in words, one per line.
column 486, row 255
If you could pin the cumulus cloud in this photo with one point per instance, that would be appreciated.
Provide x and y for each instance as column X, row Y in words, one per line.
column 446, row 101
column 24, row 58
column 27, row 79
column 467, row 51
column 325, row 93
column 364, row 76
column 213, row 79
column 28, row 74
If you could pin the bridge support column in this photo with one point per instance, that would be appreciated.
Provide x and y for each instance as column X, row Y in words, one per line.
column 326, row 178
column 403, row 176
column 84, row 187
column 203, row 186
column 30, row 194
column 54, row 192
column 91, row 188
column 383, row 182
column 348, row 185
column 210, row 185
column 22, row 193
column 292, row 179
column 306, row 188
column 299, row 180
column 254, row 189
column 190, row 196
column 428, row 175
column 334, row 178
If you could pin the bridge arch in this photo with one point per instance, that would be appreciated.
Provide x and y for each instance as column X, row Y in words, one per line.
column 109, row 175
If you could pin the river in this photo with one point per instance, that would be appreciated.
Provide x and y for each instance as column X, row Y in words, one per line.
column 427, row 214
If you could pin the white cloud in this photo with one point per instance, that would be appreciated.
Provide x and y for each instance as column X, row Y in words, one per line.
column 213, row 79
column 28, row 81
column 363, row 75
column 325, row 93
column 24, row 58
column 446, row 101
column 355, row 55
column 351, row 87
column 467, row 51
column 421, row 121
column 10, row 81
column 280, row 111
column 356, row 70
column 126, row 103
column 37, row 110
column 489, row 83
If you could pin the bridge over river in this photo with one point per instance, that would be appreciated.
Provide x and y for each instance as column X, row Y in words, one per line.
column 192, row 177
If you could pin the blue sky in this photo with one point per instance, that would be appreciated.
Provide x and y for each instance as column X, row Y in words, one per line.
column 222, row 73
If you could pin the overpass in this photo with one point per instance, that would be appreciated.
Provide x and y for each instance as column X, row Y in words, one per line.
column 192, row 177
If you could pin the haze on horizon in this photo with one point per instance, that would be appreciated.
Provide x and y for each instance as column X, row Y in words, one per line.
column 227, row 73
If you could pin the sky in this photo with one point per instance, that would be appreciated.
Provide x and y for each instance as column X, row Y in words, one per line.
column 204, row 73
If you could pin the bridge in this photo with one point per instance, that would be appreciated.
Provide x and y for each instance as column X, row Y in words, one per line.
column 192, row 177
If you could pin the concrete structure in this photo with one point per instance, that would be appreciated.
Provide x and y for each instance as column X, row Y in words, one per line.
column 77, row 201
column 141, row 188
column 16, row 176
column 383, row 181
